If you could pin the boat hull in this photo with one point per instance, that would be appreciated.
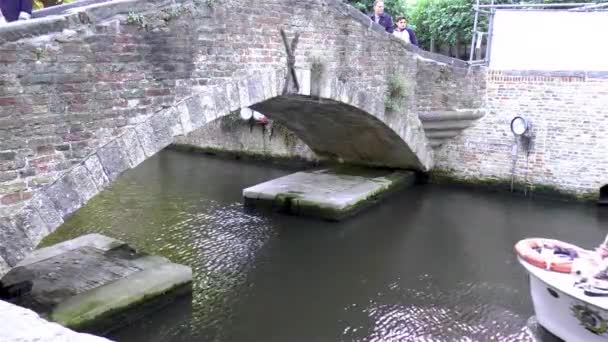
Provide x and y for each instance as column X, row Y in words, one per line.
column 566, row 317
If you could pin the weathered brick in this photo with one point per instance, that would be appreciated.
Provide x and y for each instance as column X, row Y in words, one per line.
column 7, row 155
column 15, row 197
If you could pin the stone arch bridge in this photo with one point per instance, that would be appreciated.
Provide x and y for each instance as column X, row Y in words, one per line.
column 90, row 92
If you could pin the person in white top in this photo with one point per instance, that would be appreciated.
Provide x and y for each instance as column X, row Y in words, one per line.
column 400, row 32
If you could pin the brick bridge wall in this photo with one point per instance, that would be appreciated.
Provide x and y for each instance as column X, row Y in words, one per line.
column 569, row 115
column 88, row 95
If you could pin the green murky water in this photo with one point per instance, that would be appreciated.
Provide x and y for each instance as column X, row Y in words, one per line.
column 429, row 264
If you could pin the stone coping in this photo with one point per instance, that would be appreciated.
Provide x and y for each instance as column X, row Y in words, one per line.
column 59, row 9
column 58, row 18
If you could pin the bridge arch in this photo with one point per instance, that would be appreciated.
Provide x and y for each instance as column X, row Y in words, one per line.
column 124, row 90
column 362, row 138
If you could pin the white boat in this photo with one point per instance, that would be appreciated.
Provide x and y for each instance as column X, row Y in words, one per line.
column 572, row 306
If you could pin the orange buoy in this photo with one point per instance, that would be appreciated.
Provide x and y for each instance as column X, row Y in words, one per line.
column 559, row 258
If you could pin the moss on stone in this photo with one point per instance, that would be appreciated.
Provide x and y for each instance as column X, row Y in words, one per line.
column 116, row 318
column 442, row 176
column 291, row 202
column 113, row 305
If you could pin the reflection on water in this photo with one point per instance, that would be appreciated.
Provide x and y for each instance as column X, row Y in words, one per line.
column 429, row 264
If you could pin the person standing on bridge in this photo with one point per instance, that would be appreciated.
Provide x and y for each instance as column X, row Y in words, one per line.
column 381, row 18
column 405, row 33
column 11, row 10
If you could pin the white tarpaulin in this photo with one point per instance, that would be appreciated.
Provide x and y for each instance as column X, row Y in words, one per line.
column 549, row 40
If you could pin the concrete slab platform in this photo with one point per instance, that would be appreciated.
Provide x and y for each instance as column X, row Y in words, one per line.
column 331, row 193
column 94, row 283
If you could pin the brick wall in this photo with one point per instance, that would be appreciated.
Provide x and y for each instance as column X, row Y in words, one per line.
column 569, row 114
column 69, row 85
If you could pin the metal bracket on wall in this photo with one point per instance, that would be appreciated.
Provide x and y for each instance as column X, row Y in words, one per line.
column 291, row 81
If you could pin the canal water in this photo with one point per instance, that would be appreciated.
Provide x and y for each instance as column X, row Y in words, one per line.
column 431, row 263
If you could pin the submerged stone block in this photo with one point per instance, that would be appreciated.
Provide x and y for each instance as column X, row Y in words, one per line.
column 94, row 283
column 331, row 194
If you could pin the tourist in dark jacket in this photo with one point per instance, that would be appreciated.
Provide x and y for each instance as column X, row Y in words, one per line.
column 11, row 10
column 381, row 18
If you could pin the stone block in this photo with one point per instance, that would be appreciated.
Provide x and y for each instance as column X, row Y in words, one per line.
column 80, row 180
column 30, row 221
column 196, row 111
column 234, row 99
column 145, row 134
column 94, row 283
column 114, row 159
column 98, row 241
column 162, row 123
column 14, row 243
column 93, row 164
column 7, row 155
column 43, row 205
column 7, row 188
column 222, row 102
column 132, row 147
column 184, row 117
column 65, row 198
column 332, row 194
column 266, row 85
column 208, row 104
column 256, row 89
column 174, row 121
column 97, row 307
column 244, row 97
column 7, row 176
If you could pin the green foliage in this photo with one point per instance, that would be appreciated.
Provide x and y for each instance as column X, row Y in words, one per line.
column 393, row 7
column 136, row 19
column 396, row 93
column 446, row 21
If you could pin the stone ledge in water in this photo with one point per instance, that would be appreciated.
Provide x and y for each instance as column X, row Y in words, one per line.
column 94, row 283
column 332, row 194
